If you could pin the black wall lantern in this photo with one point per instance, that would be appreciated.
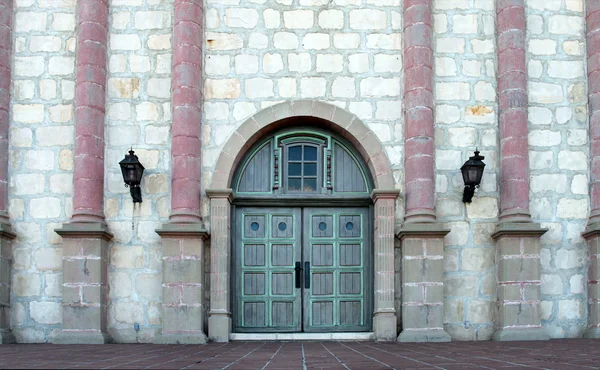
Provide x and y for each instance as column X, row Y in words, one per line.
column 472, row 171
column 132, row 171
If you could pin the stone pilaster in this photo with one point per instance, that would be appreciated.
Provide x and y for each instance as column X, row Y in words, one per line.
column 219, row 320
column 85, row 286
column 423, row 283
column 592, row 234
column 186, row 127
column 183, row 284
column 384, row 319
column 6, row 237
column 518, row 261
column 418, row 111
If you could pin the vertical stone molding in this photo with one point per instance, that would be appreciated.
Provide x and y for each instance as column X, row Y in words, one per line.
column 384, row 319
column 593, row 73
column 592, row 235
column 85, row 284
column 6, row 15
column 418, row 111
column 518, row 261
column 423, row 283
column 183, row 284
column 186, row 126
column 6, row 233
column 6, row 237
column 512, row 110
column 219, row 320
column 90, row 86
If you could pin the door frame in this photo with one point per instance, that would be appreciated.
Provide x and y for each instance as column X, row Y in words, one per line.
column 383, row 197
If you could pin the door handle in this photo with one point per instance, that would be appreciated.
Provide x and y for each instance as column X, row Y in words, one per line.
column 306, row 275
column 298, row 274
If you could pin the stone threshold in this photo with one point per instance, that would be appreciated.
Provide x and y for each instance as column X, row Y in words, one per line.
column 301, row 336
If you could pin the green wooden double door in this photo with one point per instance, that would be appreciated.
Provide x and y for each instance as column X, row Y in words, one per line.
column 302, row 269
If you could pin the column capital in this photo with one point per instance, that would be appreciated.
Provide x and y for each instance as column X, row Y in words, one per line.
column 377, row 194
column 6, row 231
column 220, row 193
column 592, row 230
column 518, row 229
column 422, row 230
column 192, row 230
column 85, row 230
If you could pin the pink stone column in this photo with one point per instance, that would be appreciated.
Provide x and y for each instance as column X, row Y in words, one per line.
column 593, row 49
column 512, row 92
column 187, row 112
column 6, row 12
column 90, row 86
column 418, row 111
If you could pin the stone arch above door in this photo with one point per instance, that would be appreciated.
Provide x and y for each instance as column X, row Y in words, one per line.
column 341, row 122
column 350, row 127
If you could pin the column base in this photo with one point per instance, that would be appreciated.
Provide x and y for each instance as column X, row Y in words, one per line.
column 82, row 337
column 7, row 337
column 592, row 333
column 181, row 338
column 505, row 335
column 219, row 327
column 385, row 327
column 434, row 335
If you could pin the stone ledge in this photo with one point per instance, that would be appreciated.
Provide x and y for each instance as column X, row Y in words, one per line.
column 592, row 333
column 504, row 335
column 81, row 337
column 7, row 337
column 85, row 230
column 181, row 338
column 518, row 229
column 422, row 230
column 183, row 230
column 592, row 229
column 416, row 336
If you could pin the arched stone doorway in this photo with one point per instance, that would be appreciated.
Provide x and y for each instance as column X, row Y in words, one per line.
column 382, row 196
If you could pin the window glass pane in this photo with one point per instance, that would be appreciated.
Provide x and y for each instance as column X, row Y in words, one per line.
column 310, row 169
column 310, row 153
column 294, row 169
column 294, row 184
column 310, row 185
column 295, row 153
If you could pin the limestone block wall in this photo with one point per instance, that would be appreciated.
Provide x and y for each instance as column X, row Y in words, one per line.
column 261, row 52
column 465, row 118
column 41, row 160
column 559, row 158
column 258, row 53
column 138, row 115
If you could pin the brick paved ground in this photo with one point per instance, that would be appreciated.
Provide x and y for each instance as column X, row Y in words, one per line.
column 555, row 354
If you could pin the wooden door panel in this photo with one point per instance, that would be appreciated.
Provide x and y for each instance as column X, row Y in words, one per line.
column 337, row 246
column 267, row 245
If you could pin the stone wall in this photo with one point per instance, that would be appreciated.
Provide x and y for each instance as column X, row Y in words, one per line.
column 138, row 115
column 261, row 52
column 559, row 162
column 466, row 117
column 41, row 160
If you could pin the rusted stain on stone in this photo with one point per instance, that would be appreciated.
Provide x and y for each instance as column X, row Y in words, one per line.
column 479, row 110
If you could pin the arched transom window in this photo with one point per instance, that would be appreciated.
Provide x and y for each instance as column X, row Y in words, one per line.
column 302, row 163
